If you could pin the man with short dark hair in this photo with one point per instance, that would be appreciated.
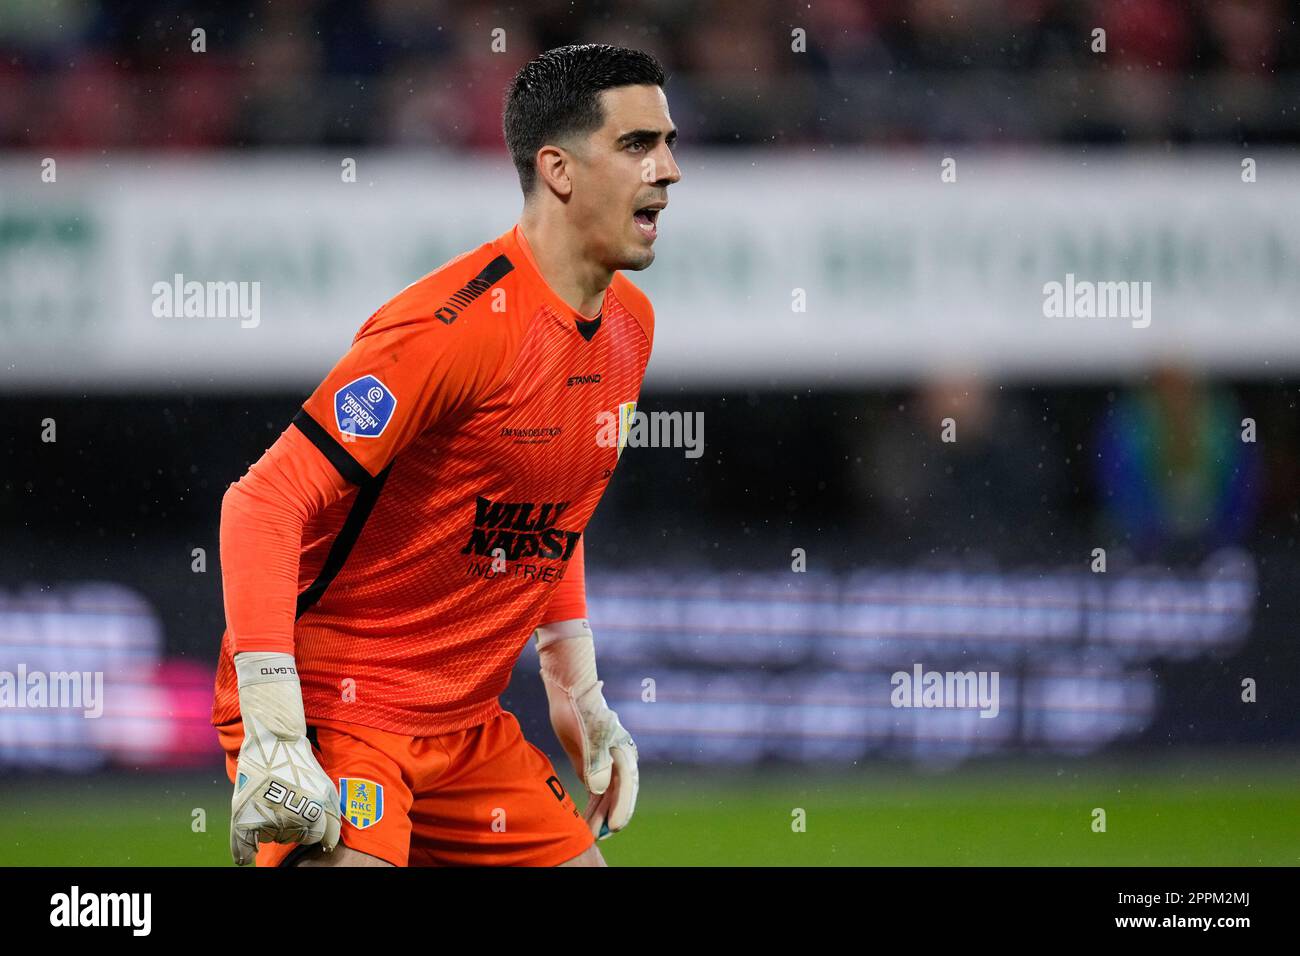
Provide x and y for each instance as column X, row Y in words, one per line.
column 388, row 557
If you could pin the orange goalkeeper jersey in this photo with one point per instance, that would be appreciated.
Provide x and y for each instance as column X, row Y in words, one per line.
column 432, row 492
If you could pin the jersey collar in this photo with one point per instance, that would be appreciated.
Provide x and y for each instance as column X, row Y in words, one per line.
column 518, row 251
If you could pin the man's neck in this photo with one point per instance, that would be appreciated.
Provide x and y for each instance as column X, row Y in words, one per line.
column 561, row 261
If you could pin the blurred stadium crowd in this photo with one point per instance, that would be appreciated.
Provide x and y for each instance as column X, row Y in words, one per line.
column 91, row 74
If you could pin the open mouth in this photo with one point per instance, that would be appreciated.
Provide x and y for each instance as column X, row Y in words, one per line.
column 647, row 220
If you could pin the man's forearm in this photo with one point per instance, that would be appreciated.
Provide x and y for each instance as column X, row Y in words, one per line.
column 262, row 520
column 260, row 547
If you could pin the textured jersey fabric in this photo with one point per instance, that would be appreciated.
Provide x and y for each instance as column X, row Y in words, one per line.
column 423, row 513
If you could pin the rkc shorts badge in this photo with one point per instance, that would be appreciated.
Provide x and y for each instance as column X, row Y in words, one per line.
column 361, row 802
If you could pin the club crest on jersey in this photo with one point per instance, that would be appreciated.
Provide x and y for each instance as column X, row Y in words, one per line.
column 361, row 802
column 625, row 413
column 363, row 408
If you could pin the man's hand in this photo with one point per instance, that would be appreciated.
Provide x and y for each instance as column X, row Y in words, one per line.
column 601, row 750
column 281, row 793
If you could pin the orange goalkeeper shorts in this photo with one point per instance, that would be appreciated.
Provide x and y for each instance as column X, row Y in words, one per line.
column 483, row 796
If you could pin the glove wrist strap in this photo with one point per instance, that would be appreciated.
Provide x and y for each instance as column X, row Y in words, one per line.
column 269, row 693
column 568, row 656
column 265, row 667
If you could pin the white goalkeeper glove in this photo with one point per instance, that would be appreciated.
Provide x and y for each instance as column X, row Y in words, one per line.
column 601, row 751
column 281, row 793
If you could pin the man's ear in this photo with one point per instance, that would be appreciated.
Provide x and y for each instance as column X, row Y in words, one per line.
column 554, row 169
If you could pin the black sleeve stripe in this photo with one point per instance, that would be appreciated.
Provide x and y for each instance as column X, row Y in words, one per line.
column 346, row 465
column 462, row 298
column 496, row 270
column 343, row 541
column 492, row 273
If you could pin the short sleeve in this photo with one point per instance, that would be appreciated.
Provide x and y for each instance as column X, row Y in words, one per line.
column 403, row 375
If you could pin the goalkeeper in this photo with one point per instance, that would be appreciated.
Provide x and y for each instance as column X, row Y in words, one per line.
column 422, row 517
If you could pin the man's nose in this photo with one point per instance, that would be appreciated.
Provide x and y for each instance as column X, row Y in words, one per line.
column 666, row 167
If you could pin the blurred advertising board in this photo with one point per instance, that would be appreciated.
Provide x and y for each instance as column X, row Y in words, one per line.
column 773, row 268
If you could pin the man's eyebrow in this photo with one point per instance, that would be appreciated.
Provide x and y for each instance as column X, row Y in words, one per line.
column 639, row 135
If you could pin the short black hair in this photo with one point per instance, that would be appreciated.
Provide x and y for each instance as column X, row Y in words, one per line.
column 556, row 95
